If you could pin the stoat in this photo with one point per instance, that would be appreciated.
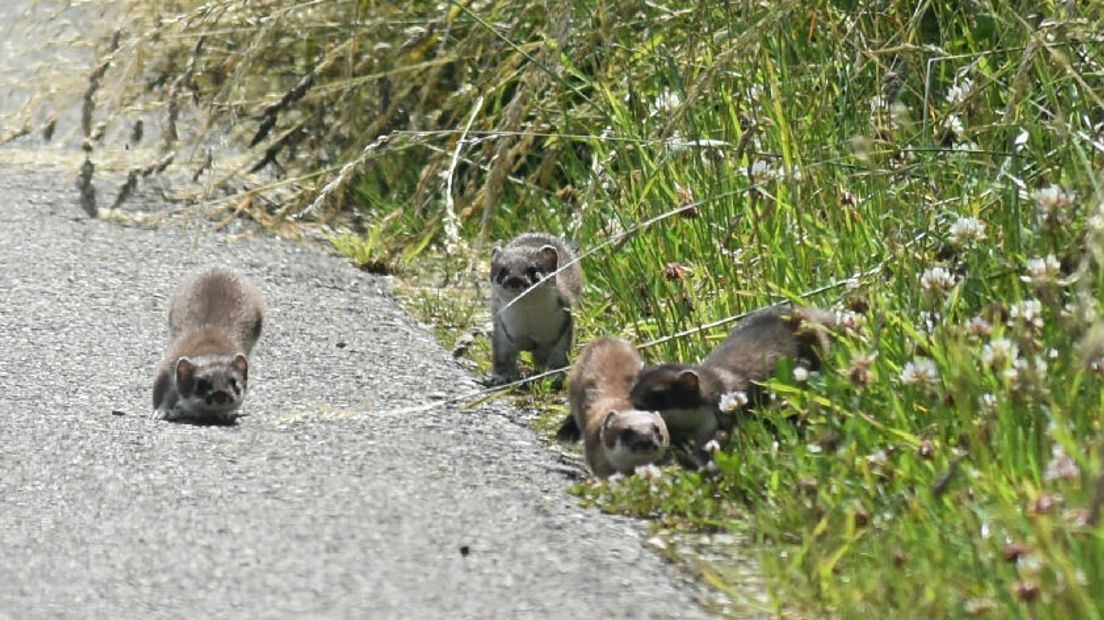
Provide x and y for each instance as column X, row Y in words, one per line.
column 689, row 396
column 215, row 318
column 618, row 437
column 531, row 310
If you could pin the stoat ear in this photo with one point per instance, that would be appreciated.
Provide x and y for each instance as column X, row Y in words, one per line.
column 603, row 435
column 688, row 380
column 185, row 375
column 608, row 421
column 241, row 365
column 549, row 258
column 495, row 251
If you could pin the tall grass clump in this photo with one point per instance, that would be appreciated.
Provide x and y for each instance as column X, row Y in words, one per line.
column 929, row 170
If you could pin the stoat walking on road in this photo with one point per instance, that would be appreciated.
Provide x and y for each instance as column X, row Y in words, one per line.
column 540, row 320
column 689, row 396
column 618, row 437
column 215, row 318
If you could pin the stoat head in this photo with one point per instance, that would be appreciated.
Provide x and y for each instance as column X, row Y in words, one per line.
column 666, row 387
column 211, row 387
column 632, row 438
column 516, row 268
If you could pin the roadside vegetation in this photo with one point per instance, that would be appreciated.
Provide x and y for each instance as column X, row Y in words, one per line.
column 929, row 170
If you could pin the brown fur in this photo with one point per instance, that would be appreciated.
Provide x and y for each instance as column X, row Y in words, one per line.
column 598, row 395
column 689, row 396
column 215, row 319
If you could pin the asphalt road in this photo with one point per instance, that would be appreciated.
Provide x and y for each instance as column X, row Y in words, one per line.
column 317, row 505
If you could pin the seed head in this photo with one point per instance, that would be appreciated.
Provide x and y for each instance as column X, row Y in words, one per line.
column 1061, row 466
column 999, row 353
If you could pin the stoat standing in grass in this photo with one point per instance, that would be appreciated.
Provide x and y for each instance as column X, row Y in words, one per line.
column 531, row 308
column 618, row 437
column 689, row 397
column 215, row 318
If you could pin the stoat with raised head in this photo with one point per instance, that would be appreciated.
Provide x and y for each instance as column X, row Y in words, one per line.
column 689, row 396
column 618, row 437
column 531, row 308
column 215, row 318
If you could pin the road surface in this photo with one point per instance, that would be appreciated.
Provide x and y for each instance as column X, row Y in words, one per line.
column 317, row 505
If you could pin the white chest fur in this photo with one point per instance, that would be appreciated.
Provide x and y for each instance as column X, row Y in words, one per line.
column 535, row 316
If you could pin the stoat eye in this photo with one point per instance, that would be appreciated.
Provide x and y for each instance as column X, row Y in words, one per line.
column 533, row 273
column 202, row 386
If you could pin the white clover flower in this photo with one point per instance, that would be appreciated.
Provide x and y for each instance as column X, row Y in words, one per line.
column 801, row 374
column 1042, row 272
column 988, row 402
column 648, row 472
column 761, row 171
column 978, row 327
column 851, row 322
column 999, row 352
column 731, row 401
column 711, row 446
column 1052, row 203
column 616, row 477
column 1029, row 312
column 935, row 282
column 960, row 90
column 1081, row 309
column 1061, row 466
column 1023, row 371
column 966, row 231
column 953, row 124
column 665, row 103
column 1095, row 223
column 922, row 373
column 877, row 458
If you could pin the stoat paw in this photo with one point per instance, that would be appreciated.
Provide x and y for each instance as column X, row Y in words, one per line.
column 495, row 380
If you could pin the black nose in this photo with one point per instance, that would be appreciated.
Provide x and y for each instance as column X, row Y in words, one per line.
column 515, row 282
column 220, row 397
column 644, row 445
